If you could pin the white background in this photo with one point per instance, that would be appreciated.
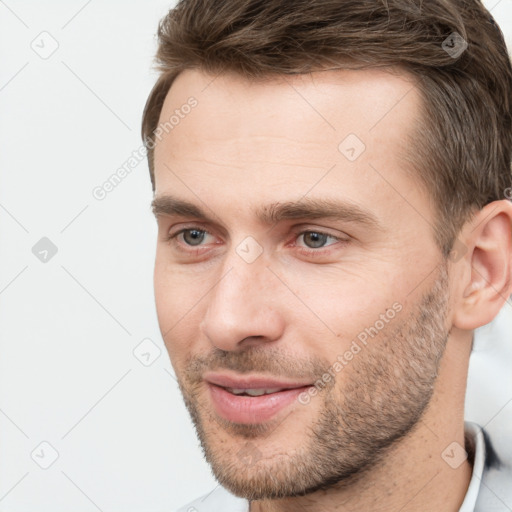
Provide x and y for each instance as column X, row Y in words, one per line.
column 69, row 326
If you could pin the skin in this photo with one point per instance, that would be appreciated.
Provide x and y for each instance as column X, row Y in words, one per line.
column 372, row 438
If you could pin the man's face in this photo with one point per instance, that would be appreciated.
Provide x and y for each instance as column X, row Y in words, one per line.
column 308, row 257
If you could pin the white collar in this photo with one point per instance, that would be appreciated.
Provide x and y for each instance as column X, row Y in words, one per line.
column 475, row 436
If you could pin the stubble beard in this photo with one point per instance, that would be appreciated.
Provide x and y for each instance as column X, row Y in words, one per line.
column 386, row 389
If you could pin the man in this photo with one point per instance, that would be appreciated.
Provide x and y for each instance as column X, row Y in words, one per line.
column 331, row 186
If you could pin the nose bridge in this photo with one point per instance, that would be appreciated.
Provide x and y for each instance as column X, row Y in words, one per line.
column 242, row 290
column 240, row 304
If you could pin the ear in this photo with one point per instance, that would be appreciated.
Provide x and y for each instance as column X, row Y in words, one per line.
column 487, row 274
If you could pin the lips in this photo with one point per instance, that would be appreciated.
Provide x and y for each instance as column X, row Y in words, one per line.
column 255, row 382
column 251, row 399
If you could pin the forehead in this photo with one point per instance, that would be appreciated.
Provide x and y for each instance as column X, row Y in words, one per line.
column 333, row 94
column 280, row 136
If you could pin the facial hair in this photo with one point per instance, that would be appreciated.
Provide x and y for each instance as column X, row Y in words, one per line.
column 385, row 390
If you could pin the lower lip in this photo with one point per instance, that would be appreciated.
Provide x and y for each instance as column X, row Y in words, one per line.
column 249, row 409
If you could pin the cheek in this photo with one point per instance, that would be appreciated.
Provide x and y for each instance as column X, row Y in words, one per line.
column 171, row 298
column 343, row 299
column 162, row 284
column 174, row 321
column 173, row 284
column 179, row 307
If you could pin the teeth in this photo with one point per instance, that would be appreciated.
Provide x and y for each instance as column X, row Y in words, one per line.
column 253, row 392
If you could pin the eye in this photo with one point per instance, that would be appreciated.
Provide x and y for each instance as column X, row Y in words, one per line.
column 316, row 239
column 193, row 236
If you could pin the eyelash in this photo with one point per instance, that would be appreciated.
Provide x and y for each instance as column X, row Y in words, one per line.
column 321, row 251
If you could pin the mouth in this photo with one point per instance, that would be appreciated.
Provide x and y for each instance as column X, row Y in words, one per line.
column 253, row 392
column 251, row 399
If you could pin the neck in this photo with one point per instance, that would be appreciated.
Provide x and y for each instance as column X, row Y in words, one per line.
column 415, row 475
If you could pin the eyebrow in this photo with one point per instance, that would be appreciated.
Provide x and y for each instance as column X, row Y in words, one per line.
column 306, row 208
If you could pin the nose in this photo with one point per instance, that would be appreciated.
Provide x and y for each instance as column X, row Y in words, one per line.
column 243, row 307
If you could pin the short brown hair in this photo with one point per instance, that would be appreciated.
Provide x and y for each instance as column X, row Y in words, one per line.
column 463, row 150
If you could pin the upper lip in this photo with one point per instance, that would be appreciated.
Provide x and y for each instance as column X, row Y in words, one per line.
column 251, row 382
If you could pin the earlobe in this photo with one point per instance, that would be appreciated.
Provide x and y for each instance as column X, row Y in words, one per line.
column 488, row 237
